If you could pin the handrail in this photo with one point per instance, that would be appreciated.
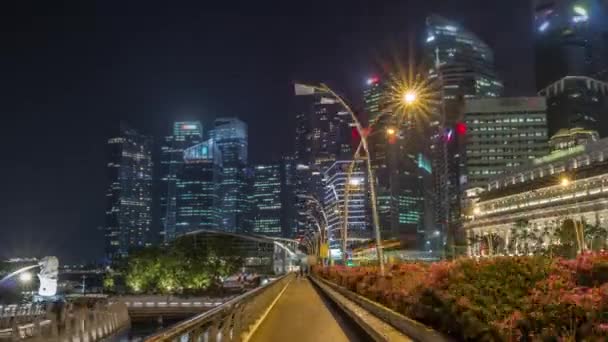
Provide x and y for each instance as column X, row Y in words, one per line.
column 231, row 319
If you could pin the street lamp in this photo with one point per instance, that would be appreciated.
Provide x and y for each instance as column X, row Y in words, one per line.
column 565, row 181
column 390, row 131
column 410, row 97
column 25, row 277
column 302, row 89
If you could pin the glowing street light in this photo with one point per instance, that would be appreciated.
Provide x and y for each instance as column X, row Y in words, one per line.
column 355, row 181
column 410, row 97
column 476, row 211
column 25, row 277
column 390, row 131
column 565, row 182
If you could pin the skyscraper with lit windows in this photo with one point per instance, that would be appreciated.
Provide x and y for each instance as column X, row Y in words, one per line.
column 230, row 136
column 198, row 186
column 266, row 199
column 571, row 43
column 129, row 194
column 462, row 65
column 185, row 134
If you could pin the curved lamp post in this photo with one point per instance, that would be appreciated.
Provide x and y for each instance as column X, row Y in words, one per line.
column 323, row 88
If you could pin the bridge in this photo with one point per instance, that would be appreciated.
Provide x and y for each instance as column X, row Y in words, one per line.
column 292, row 308
column 298, row 309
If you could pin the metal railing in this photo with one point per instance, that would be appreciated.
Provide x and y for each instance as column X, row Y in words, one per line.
column 231, row 321
column 25, row 310
column 71, row 325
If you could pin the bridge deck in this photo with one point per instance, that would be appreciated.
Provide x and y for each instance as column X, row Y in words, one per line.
column 302, row 315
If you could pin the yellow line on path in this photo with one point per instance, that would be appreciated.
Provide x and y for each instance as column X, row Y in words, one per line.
column 257, row 324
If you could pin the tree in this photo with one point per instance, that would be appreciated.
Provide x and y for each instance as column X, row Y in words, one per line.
column 108, row 282
column 187, row 265
column 595, row 236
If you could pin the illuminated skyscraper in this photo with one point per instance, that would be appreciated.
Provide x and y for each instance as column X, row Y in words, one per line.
column 198, row 186
column 230, row 136
column 323, row 135
column 129, row 198
column 185, row 134
column 466, row 63
column 463, row 66
column 571, row 39
column 266, row 198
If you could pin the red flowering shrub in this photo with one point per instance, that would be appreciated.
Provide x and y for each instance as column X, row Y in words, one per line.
column 493, row 299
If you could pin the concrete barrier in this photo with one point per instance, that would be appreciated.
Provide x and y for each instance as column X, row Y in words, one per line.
column 407, row 327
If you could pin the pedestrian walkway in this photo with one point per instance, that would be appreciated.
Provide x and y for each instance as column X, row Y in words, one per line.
column 302, row 315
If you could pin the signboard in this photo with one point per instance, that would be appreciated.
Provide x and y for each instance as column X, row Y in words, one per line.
column 324, row 250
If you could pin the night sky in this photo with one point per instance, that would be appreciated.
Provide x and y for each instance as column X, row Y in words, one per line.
column 70, row 71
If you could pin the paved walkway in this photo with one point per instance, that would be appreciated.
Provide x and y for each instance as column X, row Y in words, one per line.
column 301, row 315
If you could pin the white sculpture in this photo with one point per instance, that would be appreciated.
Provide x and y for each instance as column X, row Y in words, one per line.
column 49, row 269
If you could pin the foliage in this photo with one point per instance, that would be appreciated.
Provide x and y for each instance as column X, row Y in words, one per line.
column 186, row 266
column 494, row 299
column 109, row 283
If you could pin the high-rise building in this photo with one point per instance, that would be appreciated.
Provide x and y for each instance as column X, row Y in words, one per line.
column 289, row 222
column 198, row 186
column 571, row 43
column 266, row 198
column 323, row 135
column 230, row 136
column 502, row 134
column 336, row 183
column 466, row 63
column 185, row 134
column 129, row 198
column 463, row 66
column 577, row 102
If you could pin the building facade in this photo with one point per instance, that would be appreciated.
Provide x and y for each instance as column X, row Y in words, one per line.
column 566, row 139
column 502, row 134
column 198, row 189
column 571, row 43
column 266, row 199
column 337, row 182
column 538, row 198
column 463, row 66
column 129, row 194
column 577, row 102
column 185, row 134
column 324, row 134
column 230, row 136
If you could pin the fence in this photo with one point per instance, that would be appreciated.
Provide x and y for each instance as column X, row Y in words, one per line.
column 230, row 321
column 70, row 324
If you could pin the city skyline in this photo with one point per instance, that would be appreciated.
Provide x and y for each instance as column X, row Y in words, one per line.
column 90, row 95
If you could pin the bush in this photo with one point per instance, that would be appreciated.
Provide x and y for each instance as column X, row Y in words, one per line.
column 493, row 299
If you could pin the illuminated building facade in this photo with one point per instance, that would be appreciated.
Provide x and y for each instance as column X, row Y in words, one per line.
column 198, row 186
column 569, row 184
column 336, row 183
column 185, row 134
column 266, row 199
column 571, row 43
column 230, row 136
column 129, row 194
column 566, row 139
column 502, row 134
column 577, row 102
column 463, row 65
column 466, row 63
column 324, row 134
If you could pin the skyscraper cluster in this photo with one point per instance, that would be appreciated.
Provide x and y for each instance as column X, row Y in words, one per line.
column 426, row 172
column 202, row 183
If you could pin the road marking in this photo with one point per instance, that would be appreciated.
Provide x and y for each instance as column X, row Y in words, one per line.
column 257, row 324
